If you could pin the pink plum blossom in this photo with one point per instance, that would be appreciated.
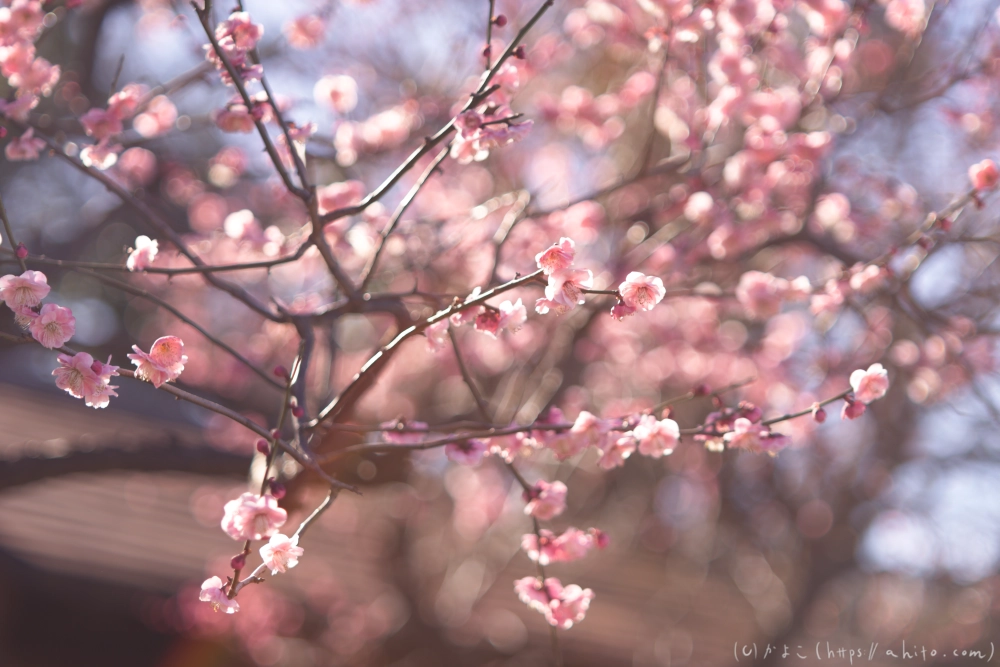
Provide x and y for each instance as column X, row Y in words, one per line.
column 437, row 335
column 164, row 362
column 253, row 517
column 337, row 92
column 984, row 175
column 546, row 500
column 573, row 544
column 512, row 316
column 234, row 118
column 102, row 155
column 564, row 290
column 591, row 429
column 559, row 256
column 906, row 16
column 142, row 256
column 281, row 553
column 84, row 377
column 761, row 293
column 870, row 385
column 25, row 147
column 745, row 435
column 53, row 326
column 561, row 606
column 213, row 592
column 656, row 437
column 24, row 291
column 616, row 450
column 641, row 292
column 305, row 32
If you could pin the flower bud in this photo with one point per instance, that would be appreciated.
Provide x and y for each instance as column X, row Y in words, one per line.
column 487, row 51
column 519, row 53
column 298, row 411
column 701, row 390
column 281, row 372
column 21, row 251
column 262, row 446
column 499, row 20
column 819, row 415
column 239, row 561
column 277, row 488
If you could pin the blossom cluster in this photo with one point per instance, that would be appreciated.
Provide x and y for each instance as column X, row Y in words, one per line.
column 31, row 76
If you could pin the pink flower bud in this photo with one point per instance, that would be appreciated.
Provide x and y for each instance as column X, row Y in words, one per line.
column 277, row 489
column 925, row 242
column 3, row 132
column 21, row 251
column 819, row 415
column 601, row 538
column 262, row 446
column 499, row 20
column 701, row 390
column 281, row 372
column 239, row 561
column 298, row 411
column 97, row 367
column 487, row 51
column 519, row 53
column 984, row 175
column 275, row 433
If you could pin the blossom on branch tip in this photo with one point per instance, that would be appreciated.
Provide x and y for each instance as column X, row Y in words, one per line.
column 142, row 256
column 213, row 592
column 281, row 553
column 558, row 256
column 164, row 362
column 870, row 385
column 24, row 291
column 641, row 292
column 656, row 437
column 25, row 147
column 561, row 606
column 253, row 517
column 437, row 335
column 84, row 377
column 573, row 544
column 545, row 500
column 53, row 326
column 984, row 175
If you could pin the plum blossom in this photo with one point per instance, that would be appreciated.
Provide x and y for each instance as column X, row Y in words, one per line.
column 84, row 377
column 761, row 293
column 281, row 553
column 235, row 117
column 164, row 362
column 142, row 256
column 745, row 434
column 984, row 175
column 467, row 452
column 24, row 291
column 561, row 606
column 545, row 500
column 870, row 385
column 25, row 147
column 572, row 545
column 437, row 335
column 564, row 290
column 102, row 155
column 656, row 438
column 852, row 410
column 213, row 592
column 305, row 32
column 53, row 326
column 616, row 450
column 591, row 429
column 253, row 517
column 512, row 315
column 337, row 92
column 558, row 256
column 641, row 292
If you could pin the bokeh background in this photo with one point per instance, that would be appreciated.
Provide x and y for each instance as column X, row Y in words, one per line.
column 884, row 529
